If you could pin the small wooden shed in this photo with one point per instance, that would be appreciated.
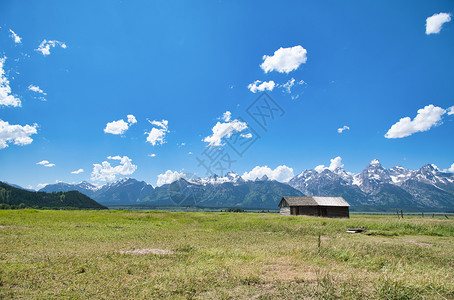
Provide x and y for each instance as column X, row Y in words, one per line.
column 335, row 207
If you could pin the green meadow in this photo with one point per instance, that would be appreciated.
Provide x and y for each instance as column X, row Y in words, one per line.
column 216, row 255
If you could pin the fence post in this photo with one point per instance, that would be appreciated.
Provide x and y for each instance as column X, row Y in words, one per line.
column 402, row 214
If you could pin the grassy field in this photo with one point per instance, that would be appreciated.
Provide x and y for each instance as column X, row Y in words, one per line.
column 77, row 254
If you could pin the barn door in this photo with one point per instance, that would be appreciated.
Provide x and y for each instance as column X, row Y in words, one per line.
column 324, row 211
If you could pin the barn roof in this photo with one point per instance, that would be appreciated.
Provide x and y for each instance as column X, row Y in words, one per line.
column 315, row 201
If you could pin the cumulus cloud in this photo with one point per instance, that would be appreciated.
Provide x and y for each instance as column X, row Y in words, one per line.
column 284, row 60
column 426, row 118
column 280, row 173
column 258, row 86
column 46, row 163
column 120, row 126
column 45, row 46
column 152, row 155
column 105, row 171
column 169, row 177
column 157, row 134
column 435, row 22
column 450, row 111
column 335, row 163
column 224, row 129
column 345, row 127
column 6, row 98
column 15, row 37
column 77, row 171
column 17, row 134
column 451, row 169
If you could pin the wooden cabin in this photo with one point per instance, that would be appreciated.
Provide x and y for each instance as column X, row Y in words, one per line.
column 335, row 207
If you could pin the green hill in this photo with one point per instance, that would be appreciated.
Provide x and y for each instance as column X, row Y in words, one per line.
column 11, row 197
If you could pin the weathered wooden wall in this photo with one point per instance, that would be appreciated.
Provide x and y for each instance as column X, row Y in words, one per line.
column 321, row 211
column 338, row 212
column 285, row 211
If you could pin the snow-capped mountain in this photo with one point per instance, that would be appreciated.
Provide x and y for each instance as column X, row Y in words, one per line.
column 378, row 186
column 123, row 191
column 215, row 191
column 215, row 179
column 372, row 177
column 375, row 188
column 399, row 174
column 84, row 187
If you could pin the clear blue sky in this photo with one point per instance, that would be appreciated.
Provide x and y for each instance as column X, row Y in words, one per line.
column 369, row 64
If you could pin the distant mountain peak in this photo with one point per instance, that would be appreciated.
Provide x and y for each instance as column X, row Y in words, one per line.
column 264, row 178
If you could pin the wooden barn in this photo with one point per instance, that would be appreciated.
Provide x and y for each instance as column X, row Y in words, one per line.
column 335, row 207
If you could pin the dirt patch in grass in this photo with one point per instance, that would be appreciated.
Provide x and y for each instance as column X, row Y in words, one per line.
column 148, row 251
column 2, row 227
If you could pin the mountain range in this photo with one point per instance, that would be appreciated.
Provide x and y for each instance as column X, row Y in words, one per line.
column 16, row 197
column 374, row 189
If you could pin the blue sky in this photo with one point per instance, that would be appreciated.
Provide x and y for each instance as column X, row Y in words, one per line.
column 367, row 65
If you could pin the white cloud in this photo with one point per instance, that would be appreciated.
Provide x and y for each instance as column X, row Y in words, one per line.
column 36, row 89
column 156, row 135
column 120, row 126
column 45, row 46
column 77, row 171
column 116, row 127
column 46, row 163
column 289, row 84
column 261, row 86
column 435, row 22
column 17, row 134
column 225, row 129
column 451, row 169
column 6, row 98
column 335, row 163
column 280, row 173
column 284, row 60
column 226, row 116
column 320, row 168
column 246, row 136
column 426, row 118
column 345, row 127
column 152, row 155
column 131, row 119
column 105, row 172
column 169, row 177
column 450, row 110
column 16, row 38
